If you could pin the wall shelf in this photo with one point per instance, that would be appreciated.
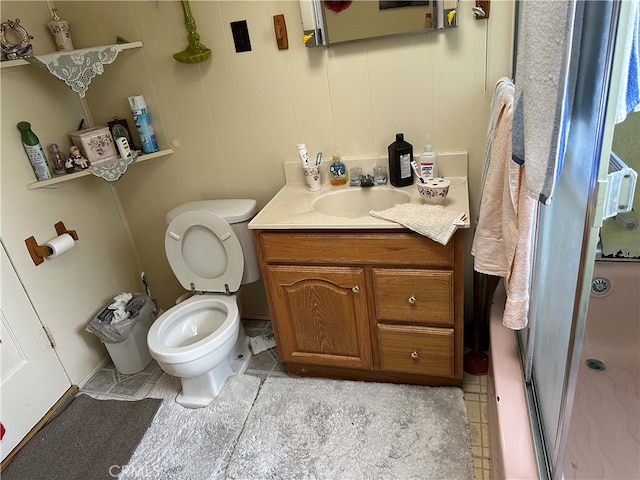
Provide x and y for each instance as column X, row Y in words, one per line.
column 20, row 62
column 72, row 176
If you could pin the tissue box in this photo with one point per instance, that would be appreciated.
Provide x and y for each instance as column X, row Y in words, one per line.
column 97, row 144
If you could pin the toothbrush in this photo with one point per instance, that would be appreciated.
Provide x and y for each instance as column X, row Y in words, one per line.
column 414, row 165
column 318, row 158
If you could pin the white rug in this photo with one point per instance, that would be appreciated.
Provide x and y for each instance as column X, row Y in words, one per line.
column 303, row 428
column 190, row 444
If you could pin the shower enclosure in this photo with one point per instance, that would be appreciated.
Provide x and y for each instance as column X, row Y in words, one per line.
column 567, row 235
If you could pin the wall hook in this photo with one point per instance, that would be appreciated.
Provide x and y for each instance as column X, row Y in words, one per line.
column 40, row 252
column 481, row 10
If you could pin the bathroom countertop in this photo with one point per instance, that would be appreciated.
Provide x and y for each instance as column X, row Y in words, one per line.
column 291, row 207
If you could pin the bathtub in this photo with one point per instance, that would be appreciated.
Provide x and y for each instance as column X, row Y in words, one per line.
column 510, row 437
column 604, row 431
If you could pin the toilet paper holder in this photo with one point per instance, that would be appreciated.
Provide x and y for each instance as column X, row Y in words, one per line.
column 39, row 252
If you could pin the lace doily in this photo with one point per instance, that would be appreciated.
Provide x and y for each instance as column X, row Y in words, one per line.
column 77, row 68
column 112, row 170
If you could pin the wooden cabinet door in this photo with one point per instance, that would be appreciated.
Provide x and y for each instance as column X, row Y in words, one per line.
column 320, row 315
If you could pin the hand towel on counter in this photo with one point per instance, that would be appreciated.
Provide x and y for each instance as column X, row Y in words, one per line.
column 502, row 240
column 544, row 92
column 432, row 221
column 629, row 94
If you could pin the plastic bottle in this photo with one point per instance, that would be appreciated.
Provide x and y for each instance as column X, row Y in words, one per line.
column 400, row 158
column 428, row 161
column 143, row 124
column 303, row 154
column 337, row 171
column 35, row 152
column 57, row 160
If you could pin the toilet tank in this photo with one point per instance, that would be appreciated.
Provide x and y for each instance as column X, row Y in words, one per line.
column 237, row 213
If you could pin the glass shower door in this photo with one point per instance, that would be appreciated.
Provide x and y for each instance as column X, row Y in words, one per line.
column 566, row 240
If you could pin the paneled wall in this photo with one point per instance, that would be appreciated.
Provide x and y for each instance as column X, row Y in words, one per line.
column 235, row 118
column 238, row 116
column 67, row 291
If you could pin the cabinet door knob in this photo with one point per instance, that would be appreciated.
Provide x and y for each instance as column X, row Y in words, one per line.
column 414, row 354
column 412, row 300
column 355, row 289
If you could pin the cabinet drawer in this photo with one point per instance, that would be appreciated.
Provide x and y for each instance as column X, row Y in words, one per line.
column 419, row 350
column 414, row 296
column 353, row 248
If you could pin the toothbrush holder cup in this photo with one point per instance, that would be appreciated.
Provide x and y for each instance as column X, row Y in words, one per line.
column 312, row 177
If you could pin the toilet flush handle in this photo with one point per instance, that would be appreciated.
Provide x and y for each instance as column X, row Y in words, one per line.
column 175, row 236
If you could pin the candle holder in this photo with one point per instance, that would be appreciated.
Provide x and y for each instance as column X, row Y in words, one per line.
column 195, row 52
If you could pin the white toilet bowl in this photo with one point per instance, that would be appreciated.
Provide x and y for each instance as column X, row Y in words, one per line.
column 201, row 340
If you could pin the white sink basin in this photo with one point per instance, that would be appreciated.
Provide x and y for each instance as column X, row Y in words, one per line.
column 357, row 202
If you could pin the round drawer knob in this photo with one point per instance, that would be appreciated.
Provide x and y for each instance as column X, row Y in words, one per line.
column 355, row 289
column 412, row 300
column 414, row 354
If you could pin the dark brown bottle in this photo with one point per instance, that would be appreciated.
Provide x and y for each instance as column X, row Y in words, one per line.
column 400, row 158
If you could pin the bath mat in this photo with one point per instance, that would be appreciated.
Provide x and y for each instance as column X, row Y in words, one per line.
column 303, row 428
column 89, row 439
column 184, row 443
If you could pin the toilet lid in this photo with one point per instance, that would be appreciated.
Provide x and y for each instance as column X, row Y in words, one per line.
column 204, row 252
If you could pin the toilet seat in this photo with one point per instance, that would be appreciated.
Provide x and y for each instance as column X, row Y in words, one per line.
column 204, row 252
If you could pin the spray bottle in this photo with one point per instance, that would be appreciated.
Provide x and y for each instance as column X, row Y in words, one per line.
column 143, row 124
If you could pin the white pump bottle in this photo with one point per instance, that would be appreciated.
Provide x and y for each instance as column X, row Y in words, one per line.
column 428, row 161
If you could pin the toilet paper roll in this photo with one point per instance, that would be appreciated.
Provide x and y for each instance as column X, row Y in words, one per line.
column 59, row 245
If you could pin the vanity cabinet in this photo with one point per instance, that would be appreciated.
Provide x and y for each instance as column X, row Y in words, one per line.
column 382, row 305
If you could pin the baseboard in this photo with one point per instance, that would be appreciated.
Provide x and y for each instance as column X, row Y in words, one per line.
column 90, row 375
column 257, row 317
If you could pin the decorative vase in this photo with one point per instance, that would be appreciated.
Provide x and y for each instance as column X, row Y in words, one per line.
column 60, row 30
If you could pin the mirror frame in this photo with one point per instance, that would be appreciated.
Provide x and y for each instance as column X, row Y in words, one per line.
column 316, row 34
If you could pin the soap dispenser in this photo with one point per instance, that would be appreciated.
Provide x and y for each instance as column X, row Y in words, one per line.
column 337, row 171
column 428, row 161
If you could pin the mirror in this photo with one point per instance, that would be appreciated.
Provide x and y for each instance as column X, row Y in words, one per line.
column 327, row 22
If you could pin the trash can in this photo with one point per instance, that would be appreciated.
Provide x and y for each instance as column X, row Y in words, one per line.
column 122, row 326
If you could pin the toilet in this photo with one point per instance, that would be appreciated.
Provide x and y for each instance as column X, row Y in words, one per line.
column 201, row 339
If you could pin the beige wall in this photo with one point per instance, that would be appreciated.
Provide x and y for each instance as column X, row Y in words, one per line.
column 67, row 291
column 238, row 116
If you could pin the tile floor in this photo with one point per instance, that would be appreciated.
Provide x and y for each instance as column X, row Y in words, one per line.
column 108, row 383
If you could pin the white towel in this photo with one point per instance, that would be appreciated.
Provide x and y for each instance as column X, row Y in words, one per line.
column 502, row 240
column 432, row 221
column 629, row 95
column 543, row 92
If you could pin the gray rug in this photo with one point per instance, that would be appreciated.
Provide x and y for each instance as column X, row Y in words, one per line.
column 190, row 444
column 329, row 429
column 90, row 439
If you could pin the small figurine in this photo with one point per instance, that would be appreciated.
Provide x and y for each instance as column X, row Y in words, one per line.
column 57, row 160
column 78, row 160
column 69, row 166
